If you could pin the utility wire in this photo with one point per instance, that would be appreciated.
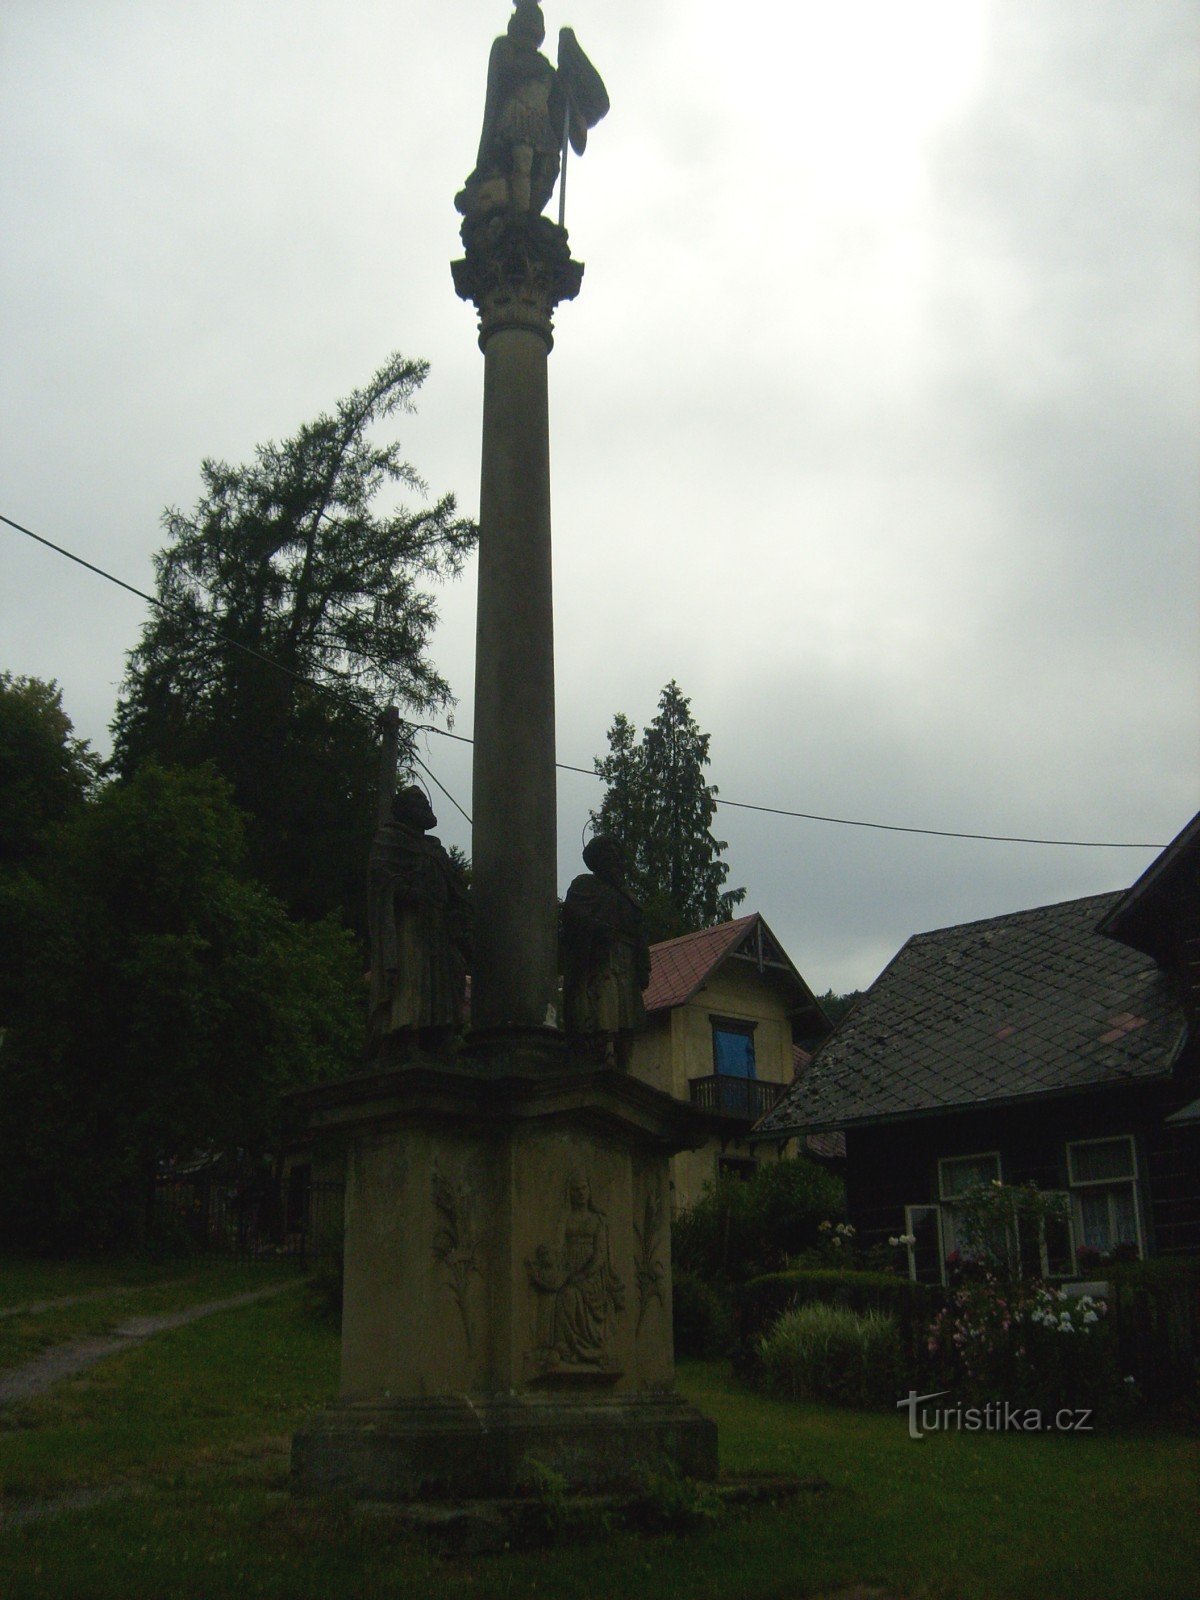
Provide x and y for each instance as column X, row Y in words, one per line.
column 565, row 766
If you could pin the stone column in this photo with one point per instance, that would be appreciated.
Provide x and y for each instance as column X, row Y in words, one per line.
column 516, row 270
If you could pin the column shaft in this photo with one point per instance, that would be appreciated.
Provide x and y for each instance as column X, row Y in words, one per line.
column 514, row 849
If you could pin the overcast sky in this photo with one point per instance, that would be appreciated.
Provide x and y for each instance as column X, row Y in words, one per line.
column 875, row 423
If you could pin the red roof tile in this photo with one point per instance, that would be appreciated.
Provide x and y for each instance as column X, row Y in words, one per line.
column 679, row 966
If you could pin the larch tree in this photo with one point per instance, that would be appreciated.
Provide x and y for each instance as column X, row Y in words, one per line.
column 293, row 603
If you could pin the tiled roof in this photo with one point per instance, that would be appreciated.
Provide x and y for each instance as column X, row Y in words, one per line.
column 679, row 966
column 1136, row 918
column 1033, row 1003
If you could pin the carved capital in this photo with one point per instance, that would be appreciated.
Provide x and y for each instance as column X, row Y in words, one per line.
column 515, row 271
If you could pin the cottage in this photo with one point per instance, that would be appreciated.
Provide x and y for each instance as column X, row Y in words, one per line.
column 727, row 1016
column 1055, row 1046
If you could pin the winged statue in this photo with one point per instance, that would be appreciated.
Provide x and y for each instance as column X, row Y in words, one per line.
column 533, row 110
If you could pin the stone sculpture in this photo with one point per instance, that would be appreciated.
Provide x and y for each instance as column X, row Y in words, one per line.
column 579, row 1291
column 419, row 921
column 530, row 112
column 605, row 956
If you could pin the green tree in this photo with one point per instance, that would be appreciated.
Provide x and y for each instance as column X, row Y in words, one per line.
column 659, row 805
column 46, row 773
column 292, row 571
column 836, row 1006
column 171, row 1002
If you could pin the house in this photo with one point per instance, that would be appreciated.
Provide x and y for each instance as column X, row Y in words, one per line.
column 726, row 1015
column 1056, row 1047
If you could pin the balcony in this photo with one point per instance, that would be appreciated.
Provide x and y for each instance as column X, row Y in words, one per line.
column 747, row 1099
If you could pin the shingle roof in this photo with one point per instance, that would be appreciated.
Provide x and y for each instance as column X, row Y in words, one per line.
column 679, row 966
column 1032, row 1003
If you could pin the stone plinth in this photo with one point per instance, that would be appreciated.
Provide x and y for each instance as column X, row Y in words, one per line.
column 507, row 1284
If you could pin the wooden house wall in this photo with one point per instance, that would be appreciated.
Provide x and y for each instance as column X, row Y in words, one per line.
column 895, row 1164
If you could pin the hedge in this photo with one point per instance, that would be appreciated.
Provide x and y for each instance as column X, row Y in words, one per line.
column 759, row 1302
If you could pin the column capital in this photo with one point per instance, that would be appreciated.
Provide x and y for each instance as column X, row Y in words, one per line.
column 516, row 270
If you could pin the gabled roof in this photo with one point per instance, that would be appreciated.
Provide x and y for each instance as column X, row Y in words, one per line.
column 679, row 968
column 1035, row 1003
column 1137, row 917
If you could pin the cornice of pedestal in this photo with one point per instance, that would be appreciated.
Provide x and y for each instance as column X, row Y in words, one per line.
column 515, row 271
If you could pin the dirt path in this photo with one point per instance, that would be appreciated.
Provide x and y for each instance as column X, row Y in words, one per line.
column 65, row 1360
column 34, row 1308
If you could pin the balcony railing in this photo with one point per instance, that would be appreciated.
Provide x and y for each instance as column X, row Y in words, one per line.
column 744, row 1098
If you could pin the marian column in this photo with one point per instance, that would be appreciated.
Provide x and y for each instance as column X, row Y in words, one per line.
column 507, row 1302
column 516, row 269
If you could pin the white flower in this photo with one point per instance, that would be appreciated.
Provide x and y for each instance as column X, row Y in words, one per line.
column 825, row 1227
column 1090, row 1316
column 1130, row 1379
column 1065, row 1327
column 893, row 1241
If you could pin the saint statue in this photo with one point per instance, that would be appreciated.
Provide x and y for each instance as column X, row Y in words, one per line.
column 530, row 113
column 419, row 919
column 579, row 1291
column 605, row 957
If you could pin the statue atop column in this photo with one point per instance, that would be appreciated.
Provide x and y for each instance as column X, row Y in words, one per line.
column 605, row 956
column 531, row 112
column 420, row 929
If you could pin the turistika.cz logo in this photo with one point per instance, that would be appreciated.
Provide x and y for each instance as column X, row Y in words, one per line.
column 997, row 1416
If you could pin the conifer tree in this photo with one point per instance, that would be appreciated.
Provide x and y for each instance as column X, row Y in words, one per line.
column 660, row 806
column 297, row 574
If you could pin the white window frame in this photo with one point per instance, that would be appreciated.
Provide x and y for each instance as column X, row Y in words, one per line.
column 980, row 1155
column 910, row 1228
column 1080, row 1184
column 1068, row 1217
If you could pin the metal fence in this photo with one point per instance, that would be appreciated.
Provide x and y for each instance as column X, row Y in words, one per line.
column 265, row 1219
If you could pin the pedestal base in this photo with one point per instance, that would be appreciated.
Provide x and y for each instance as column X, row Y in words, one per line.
column 507, row 1301
column 455, row 1448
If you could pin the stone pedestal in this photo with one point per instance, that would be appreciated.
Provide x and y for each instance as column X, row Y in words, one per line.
column 507, row 1284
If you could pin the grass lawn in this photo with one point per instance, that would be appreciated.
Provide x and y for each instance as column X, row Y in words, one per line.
column 194, row 1426
column 112, row 1292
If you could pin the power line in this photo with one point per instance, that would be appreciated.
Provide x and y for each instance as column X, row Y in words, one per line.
column 852, row 822
column 565, row 766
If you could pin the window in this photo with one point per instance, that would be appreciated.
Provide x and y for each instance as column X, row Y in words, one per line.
column 923, row 1224
column 956, row 1175
column 733, row 1047
column 1103, row 1178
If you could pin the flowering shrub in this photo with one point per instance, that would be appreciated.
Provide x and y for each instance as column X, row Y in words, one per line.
column 1026, row 1343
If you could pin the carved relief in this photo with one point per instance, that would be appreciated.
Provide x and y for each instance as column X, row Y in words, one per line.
column 456, row 1242
column 578, row 1291
column 651, row 1273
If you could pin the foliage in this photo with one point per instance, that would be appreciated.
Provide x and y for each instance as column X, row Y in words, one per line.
column 45, row 771
column 762, row 1300
column 46, row 774
column 288, row 570
column 741, row 1228
column 1027, row 1344
column 991, row 1218
column 669, row 1502
column 837, row 1006
column 170, row 1002
column 825, row 1352
column 701, row 1317
column 658, row 804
